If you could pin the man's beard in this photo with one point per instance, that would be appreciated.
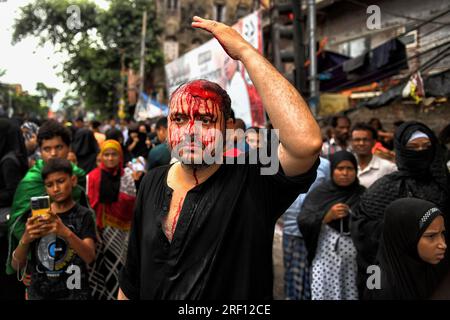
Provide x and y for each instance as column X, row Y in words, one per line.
column 193, row 166
column 188, row 161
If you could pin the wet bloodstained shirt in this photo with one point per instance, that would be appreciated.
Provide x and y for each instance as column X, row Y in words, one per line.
column 222, row 246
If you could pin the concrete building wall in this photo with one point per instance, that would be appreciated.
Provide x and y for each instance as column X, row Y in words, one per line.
column 176, row 22
column 345, row 25
column 178, row 37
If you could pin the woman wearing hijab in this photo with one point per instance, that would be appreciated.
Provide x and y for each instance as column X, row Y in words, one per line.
column 116, row 134
column 422, row 174
column 13, row 167
column 85, row 147
column 30, row 131
column 412, row 251
column 136, row 142
column 111, row 191
column 324, row 223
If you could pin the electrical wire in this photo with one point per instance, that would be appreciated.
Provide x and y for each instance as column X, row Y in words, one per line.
column 406, row 32
column 365, row 5
column 389, row 66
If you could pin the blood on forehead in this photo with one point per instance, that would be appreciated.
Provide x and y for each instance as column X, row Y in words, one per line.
column 191, row 97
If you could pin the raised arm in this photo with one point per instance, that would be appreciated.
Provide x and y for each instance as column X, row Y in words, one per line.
column 299, row 132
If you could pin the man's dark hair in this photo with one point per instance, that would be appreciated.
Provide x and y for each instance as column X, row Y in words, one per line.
column 56, row 165
column 208, row 86
column 365, row 127
column 51, row 129
column 334, row 120
column 232, row 116
column 79, row 119
column 162, row 122
column 95, row 124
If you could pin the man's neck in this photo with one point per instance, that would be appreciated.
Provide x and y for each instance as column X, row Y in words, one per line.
column 364, row 160
column 60, row 207
column 188, row 177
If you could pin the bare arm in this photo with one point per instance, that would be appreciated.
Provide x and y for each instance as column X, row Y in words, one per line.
column 299, row 132
column 85, row 248
column 34, row 229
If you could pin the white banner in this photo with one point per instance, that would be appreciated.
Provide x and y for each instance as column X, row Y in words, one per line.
column 210, row 62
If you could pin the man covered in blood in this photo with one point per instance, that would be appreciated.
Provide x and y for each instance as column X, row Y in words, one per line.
column 199, row 114
column 180, row 243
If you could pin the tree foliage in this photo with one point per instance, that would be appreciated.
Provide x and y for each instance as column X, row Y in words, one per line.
column 98, row 48
column 25, row 104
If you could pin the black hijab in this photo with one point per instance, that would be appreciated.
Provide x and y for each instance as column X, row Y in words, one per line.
column 115, row 134
column 417, row 164
column 321, row 199
column 426, row 168
column 86, row 148
column 13, row 143
column 141, row 149
column 404, row 275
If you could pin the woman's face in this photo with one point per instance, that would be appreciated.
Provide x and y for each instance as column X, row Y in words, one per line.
column 110, row 158
column 419, row 144
column 431, row 246
column 344, row 174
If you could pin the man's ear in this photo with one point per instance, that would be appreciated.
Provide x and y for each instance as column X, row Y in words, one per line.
column 74, row 180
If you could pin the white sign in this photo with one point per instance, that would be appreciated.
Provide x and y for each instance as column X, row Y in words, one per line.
column 210, row 62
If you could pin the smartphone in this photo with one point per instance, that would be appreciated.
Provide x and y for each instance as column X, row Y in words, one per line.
column 40, row 206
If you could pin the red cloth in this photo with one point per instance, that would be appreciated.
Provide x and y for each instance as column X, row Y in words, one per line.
column 379, row 146
column 117, row 214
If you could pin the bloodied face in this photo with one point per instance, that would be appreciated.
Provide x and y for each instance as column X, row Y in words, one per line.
column 196, row 123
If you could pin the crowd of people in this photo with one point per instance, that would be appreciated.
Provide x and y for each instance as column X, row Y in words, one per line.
column 129, row 218
column 337, row 232
column 106, row 161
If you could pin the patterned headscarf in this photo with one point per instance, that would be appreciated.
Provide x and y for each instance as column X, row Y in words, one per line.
column 31, row 128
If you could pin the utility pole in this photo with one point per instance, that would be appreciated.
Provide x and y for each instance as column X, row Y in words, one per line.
column 141, row 69
column 140, row 101
column 123, row 86
column 313, row 87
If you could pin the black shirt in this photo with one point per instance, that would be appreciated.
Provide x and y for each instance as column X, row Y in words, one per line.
column 222, row 246
column 52, row 259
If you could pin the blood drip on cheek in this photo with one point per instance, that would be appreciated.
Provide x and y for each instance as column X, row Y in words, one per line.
column 209, row 137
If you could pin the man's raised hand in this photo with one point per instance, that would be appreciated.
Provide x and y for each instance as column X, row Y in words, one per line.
column 230, row 40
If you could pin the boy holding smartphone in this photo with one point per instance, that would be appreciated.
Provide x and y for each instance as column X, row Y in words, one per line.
column 61, row 244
